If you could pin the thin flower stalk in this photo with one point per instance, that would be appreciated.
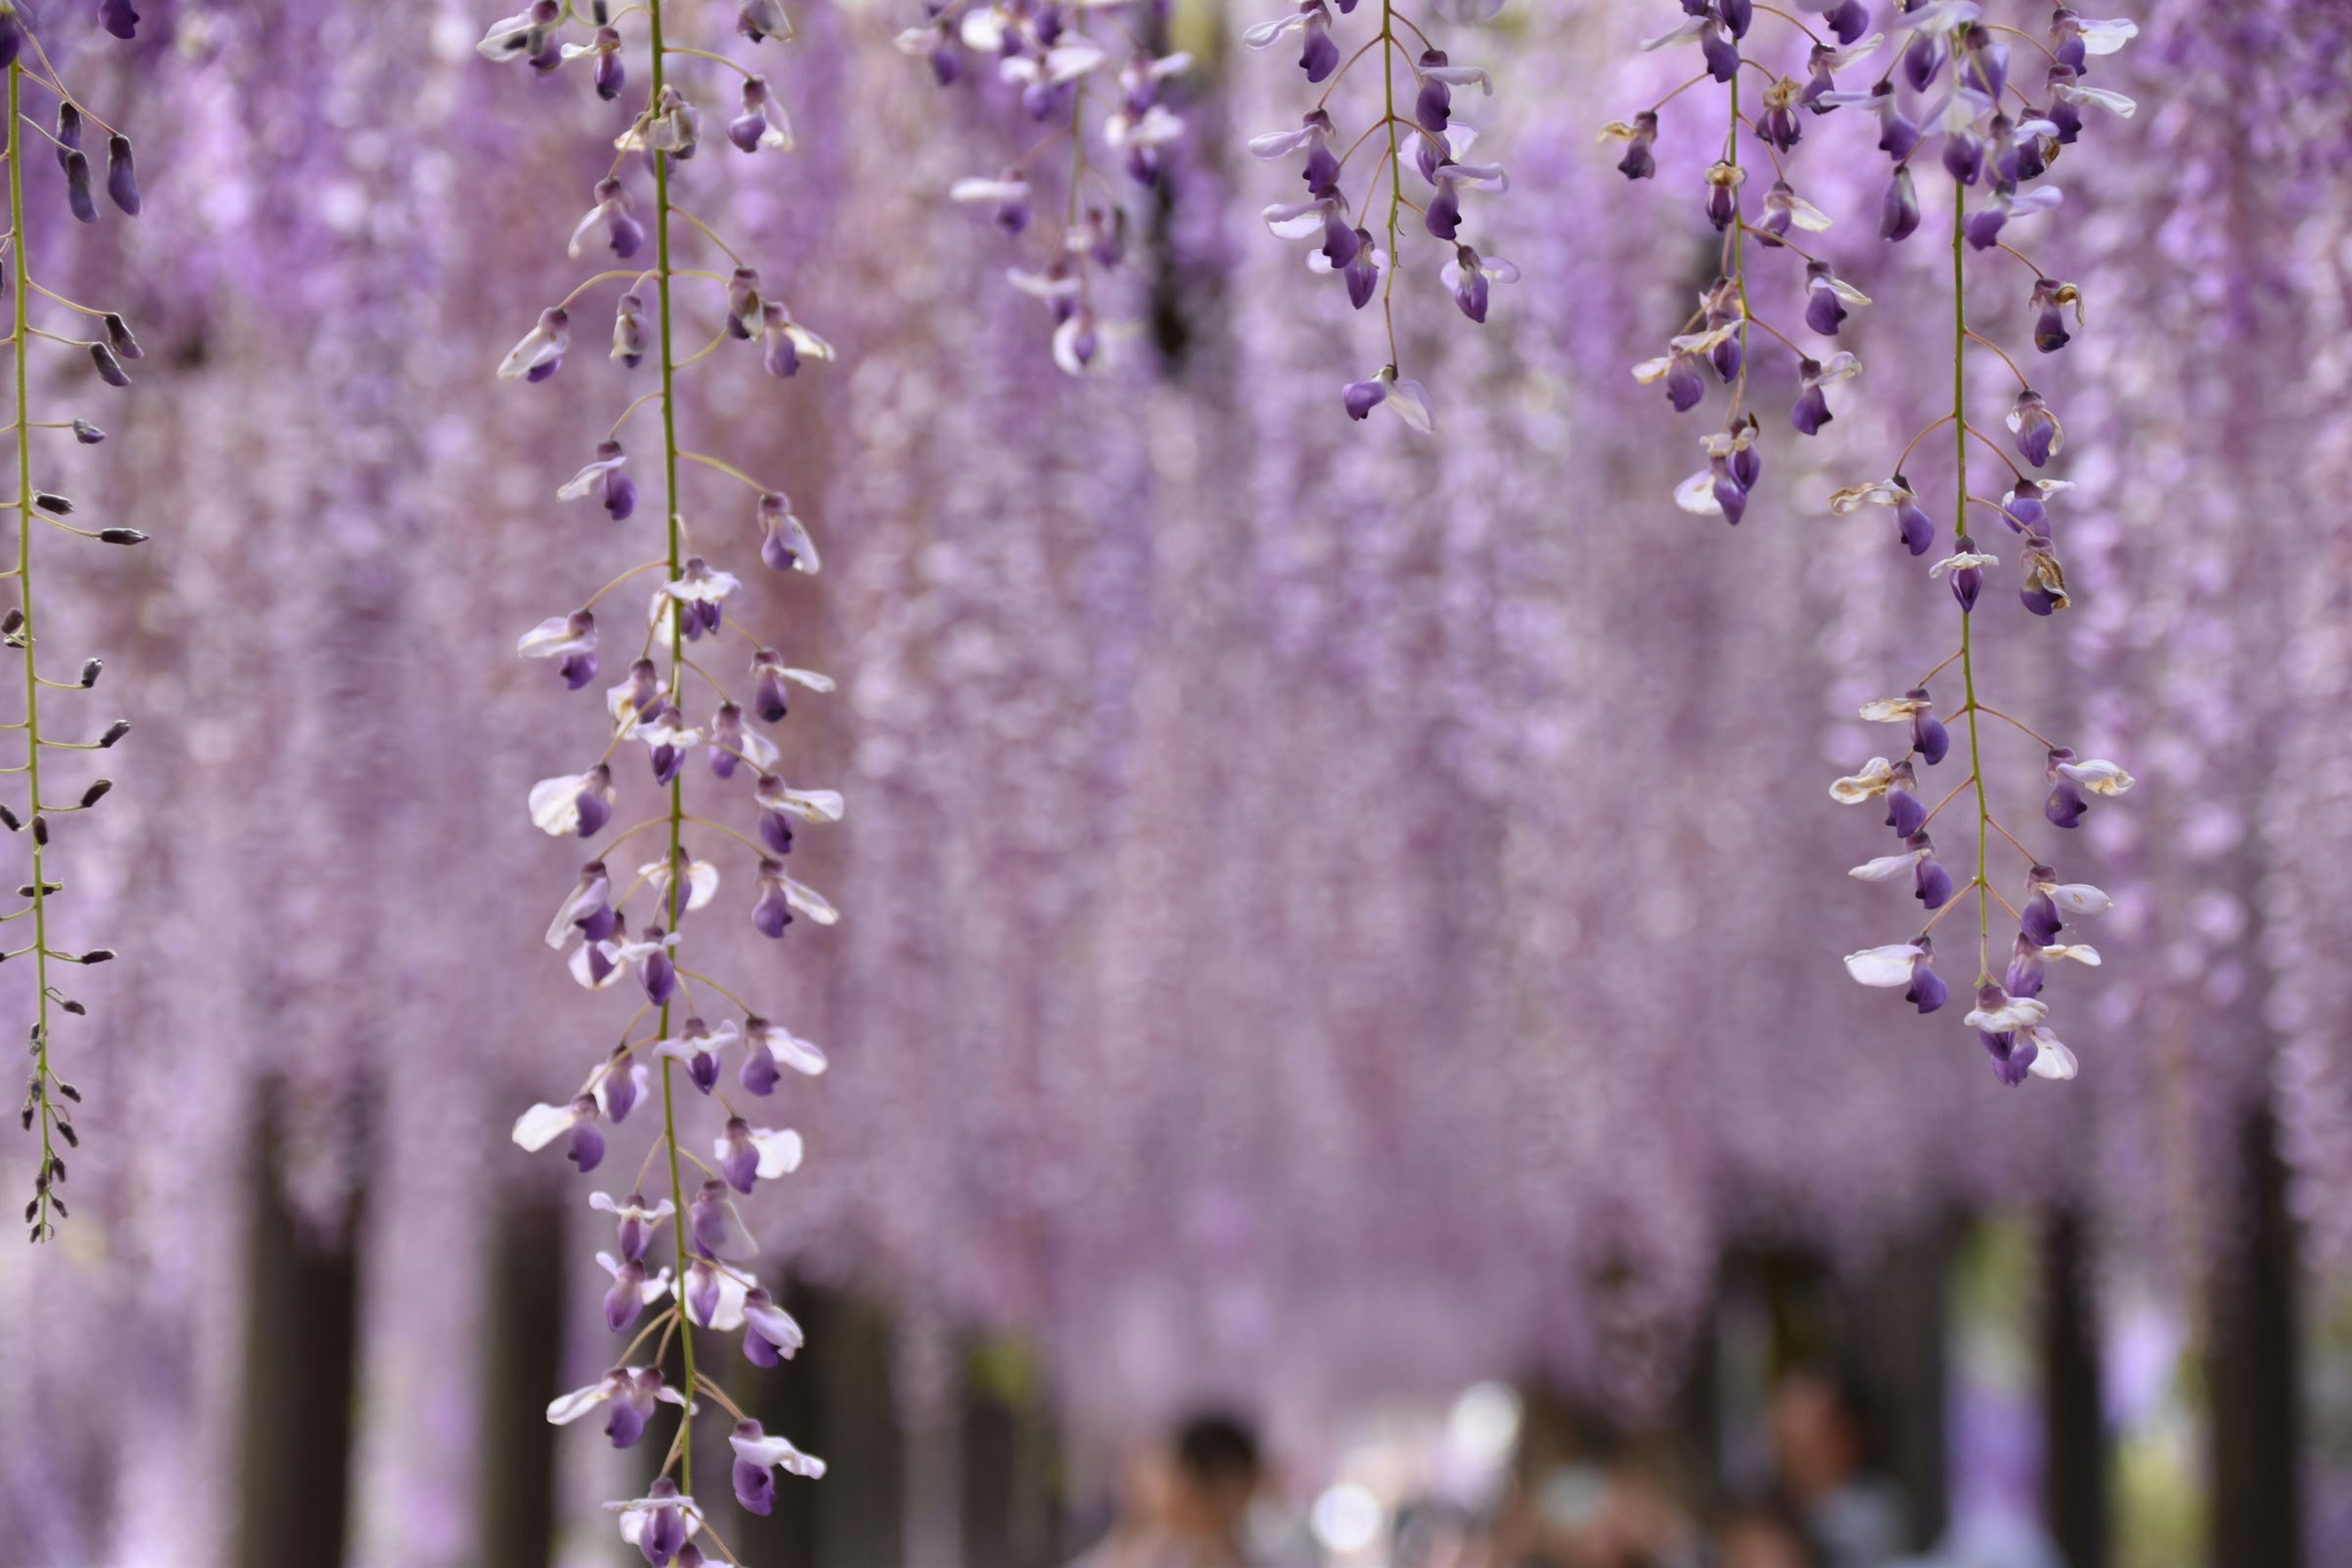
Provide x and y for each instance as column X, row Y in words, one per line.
column 1995, row 143
column 105, row 341
column 1095, row 110
column 1425, row 132
column 613, row 930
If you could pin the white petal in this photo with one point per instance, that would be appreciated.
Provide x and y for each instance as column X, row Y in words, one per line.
column 2051, row 1059
column 780, row 1152
column 2106, row 37
column 2113, row 102
column 578, row 965
column 809, row 902
column 1886, row 868
column 566, row 1408
column 2079, row 897
column 1882, row 966
column 1892, row 709
column 1685, row 34
column 2098, row 776
column 1868, row 784
column 1696, row 494
column 543, row 1124
column 555, row 804
column 1409, row 400
column 975, row 189
column 764, row 1451
column 2081, row 953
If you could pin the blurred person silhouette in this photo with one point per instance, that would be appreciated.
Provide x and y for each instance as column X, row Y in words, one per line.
column 1762, row 1533
column 1186, row 1504
column 1621, row 1515
column 1821, row 1434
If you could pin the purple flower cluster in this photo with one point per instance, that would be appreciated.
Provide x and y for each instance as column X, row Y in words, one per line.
column 1103, row 101
column 1431, row 138
column 107, row 340
column 1949, row 87
column 621, row 927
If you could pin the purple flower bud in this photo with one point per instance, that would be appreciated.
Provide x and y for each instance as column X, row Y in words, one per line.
column 1726, row 356
column 1813, row 406
column 122, row 179
column 1899, row 216
column 1722, row 196
column 595, row 801
column 1850, row 19
column 1964, row 156
column 2039, row 434
column 1987, row 69
column 12, row 38
column 68, row 134
column 626, row 1299
column 741, row 1164
column 1968, row 582
column 1639, row 162
column 1777, row 126
column 1729, row 494
column 755, row 1485
column 2050, row 298
column 1361, row 397
column 121, row 19
column 1364, row 277
column 1904, row 813
column 717, row 1230
column 630, row 336
column 1722, row 55
column 759, row 1074
column 1928, row 736
column 663, row 1538
column 761, row 20
column 1442, row 216
column 1684, row 390
column 2011, row 1059
column 2039, row 921
column 2066, row 805
column 78, row 195
column 636, row 1227
column 631, row 1406
column 773, row 913
column 1916, row 529
column 1319, row 57
column 1433, row 104
column 1736, row 16
column 612, row 78
column 585, row 1145
column 1926, row 991
column 659, row 975
column 1824, row 311
column 2025, row 974
column 1923, row 59
column 1930, row 881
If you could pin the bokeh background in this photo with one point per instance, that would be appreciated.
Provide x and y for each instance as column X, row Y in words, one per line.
column 1341, row 927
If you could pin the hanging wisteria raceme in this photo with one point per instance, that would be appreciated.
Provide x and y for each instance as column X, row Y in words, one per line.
column 1950, row 89
column 1090, row 75
column 1430, row 136
column 105, row 340
column 678, row 698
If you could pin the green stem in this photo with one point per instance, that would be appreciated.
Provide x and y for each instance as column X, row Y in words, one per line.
column 1961, row 525
column 677, row 786
column 21, row 341
column 1396, row 173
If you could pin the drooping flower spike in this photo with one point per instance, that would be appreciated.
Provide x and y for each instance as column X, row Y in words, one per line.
column 1091, row 79
column 1944, row 90
column 682, row 1265
column 1432, row 139
column 43, row 320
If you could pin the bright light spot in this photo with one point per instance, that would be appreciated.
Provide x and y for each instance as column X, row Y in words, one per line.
column 1485, row 1422
column 1346, row 1519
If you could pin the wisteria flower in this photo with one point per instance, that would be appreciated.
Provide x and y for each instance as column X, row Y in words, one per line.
column 769, row 1046
column 1408, row 400
column 628, row 1393
column 1469, row 274
column 637, row 1219
column 660, row 1524
column 756, row 1457
column 540, row 354
column 543, row 1124
column 1997, row 1012
column 632, row 1289
column 574, row 804
column 604, row 477
column 747, row 1153
column 572, row 639
column 623, row 232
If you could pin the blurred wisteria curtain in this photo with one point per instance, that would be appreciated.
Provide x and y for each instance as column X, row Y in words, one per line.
column 1324, row 908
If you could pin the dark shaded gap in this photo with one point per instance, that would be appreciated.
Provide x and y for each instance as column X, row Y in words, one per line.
column 2250, row 1367
column 301, row 1343
column 522, row 1373
column 2077, row 1452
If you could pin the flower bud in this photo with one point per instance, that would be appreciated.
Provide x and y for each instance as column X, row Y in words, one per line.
column 122, row 179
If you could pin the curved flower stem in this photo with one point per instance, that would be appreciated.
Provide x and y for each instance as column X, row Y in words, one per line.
column 1941, row 421
column 43, row 1106
column 662, row 212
